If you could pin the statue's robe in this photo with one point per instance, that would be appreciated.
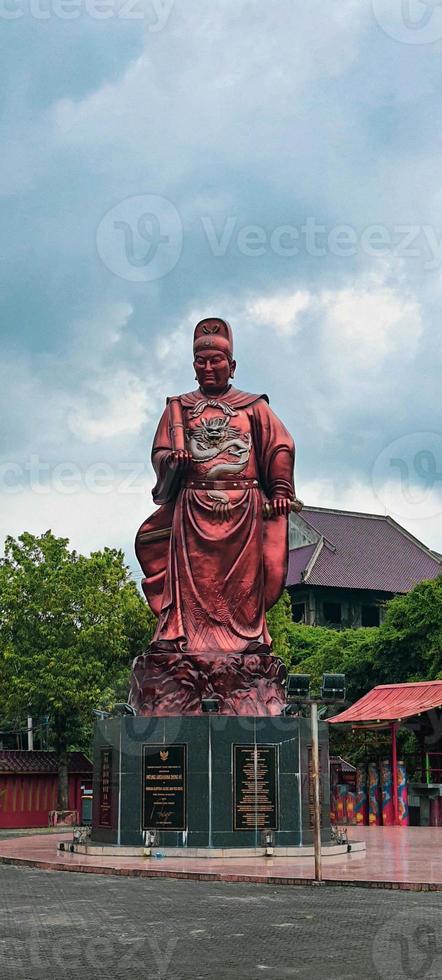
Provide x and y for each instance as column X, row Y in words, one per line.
column 212, row 563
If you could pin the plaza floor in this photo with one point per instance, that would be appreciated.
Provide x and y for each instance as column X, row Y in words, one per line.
column 398, row 858
column 65, row 926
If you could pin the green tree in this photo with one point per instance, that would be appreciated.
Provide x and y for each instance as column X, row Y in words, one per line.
column 315, row 650
column 406, row 647
column 409, row 642
column 70, row 626
column 280, row 624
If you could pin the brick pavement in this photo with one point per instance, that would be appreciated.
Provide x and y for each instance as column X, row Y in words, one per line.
column 57, row 926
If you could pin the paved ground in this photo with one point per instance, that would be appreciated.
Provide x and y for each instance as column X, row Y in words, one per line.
column 409, row 857
column 57, row 926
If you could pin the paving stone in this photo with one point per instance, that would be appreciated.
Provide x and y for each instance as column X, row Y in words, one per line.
column 60, row 925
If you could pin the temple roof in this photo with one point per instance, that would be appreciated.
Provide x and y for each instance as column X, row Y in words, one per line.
column 358, row 551
column 339, row 763
column 45, row 763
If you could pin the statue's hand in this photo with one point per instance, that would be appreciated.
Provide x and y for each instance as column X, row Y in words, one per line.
column 178, row 459
column 281, row 506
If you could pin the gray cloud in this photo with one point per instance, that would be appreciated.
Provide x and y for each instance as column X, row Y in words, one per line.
column 252, row 120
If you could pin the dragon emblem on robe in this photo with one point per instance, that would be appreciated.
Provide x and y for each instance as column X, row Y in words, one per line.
column 214, row 438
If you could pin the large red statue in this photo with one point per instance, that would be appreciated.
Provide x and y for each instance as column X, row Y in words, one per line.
column 215, row 553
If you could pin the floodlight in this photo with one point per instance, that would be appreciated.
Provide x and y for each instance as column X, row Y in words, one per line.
column 150, row 838
column 267, row 838
column 298, row 686
column 290, row 709
column 333, row 687
column 210, row 706
column 122, row 708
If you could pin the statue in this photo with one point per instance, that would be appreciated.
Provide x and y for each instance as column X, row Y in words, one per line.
column 214, row 554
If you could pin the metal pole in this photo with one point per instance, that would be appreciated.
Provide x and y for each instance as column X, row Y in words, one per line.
column 119, row 787
column 30, row 735
column 394, row 767
column 210, row 781
column 316, row 793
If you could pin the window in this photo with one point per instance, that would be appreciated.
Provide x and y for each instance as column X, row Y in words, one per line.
column 370, row 616
column 298, row 612
column 332, row 613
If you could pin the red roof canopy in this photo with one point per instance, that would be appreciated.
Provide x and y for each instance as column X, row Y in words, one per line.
column 392, row 702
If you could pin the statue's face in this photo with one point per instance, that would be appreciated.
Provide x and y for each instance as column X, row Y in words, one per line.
column 213, row 370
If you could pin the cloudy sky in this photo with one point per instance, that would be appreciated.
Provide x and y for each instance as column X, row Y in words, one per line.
column 278, row 164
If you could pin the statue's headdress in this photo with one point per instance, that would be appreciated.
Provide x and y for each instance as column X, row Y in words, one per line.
column 213, row 334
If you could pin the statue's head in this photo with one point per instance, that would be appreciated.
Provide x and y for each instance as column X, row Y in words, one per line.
column 213, row 355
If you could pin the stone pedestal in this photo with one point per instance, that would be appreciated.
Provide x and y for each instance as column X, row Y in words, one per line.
column 207, row 781
column 249, row 684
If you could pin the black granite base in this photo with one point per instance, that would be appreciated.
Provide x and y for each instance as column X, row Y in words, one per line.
column 206, row 781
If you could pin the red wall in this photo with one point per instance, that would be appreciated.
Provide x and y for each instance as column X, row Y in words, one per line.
column 25, row 800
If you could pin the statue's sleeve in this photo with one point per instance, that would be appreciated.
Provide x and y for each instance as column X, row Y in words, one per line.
column 168, row 480
column 275, row 451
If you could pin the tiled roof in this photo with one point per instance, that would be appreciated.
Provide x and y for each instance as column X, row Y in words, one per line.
column 298, row 561
column 22, row 761
column 363, row 551
column 339, row 763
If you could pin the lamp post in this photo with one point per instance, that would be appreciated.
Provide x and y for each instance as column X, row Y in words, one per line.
column 316, row 790
column 332, row 692
column 30, row 731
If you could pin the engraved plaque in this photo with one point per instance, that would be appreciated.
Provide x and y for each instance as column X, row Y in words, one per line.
column 105, row 788
column 164, row 787
column 255, row 786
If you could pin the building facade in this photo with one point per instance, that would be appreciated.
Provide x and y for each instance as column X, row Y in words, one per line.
column 344, row 566
column 29, row 785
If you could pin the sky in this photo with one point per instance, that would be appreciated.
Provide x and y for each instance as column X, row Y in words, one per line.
column 277, row 164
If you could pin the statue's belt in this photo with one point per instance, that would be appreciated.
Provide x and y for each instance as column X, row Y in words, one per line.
column 149, row 536
column 220, row 485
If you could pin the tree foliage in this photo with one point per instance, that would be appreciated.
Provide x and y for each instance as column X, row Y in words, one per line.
column 409, row 643
column 70, row 626
column 279, row 622
column 314, row 649
column 406, row 647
